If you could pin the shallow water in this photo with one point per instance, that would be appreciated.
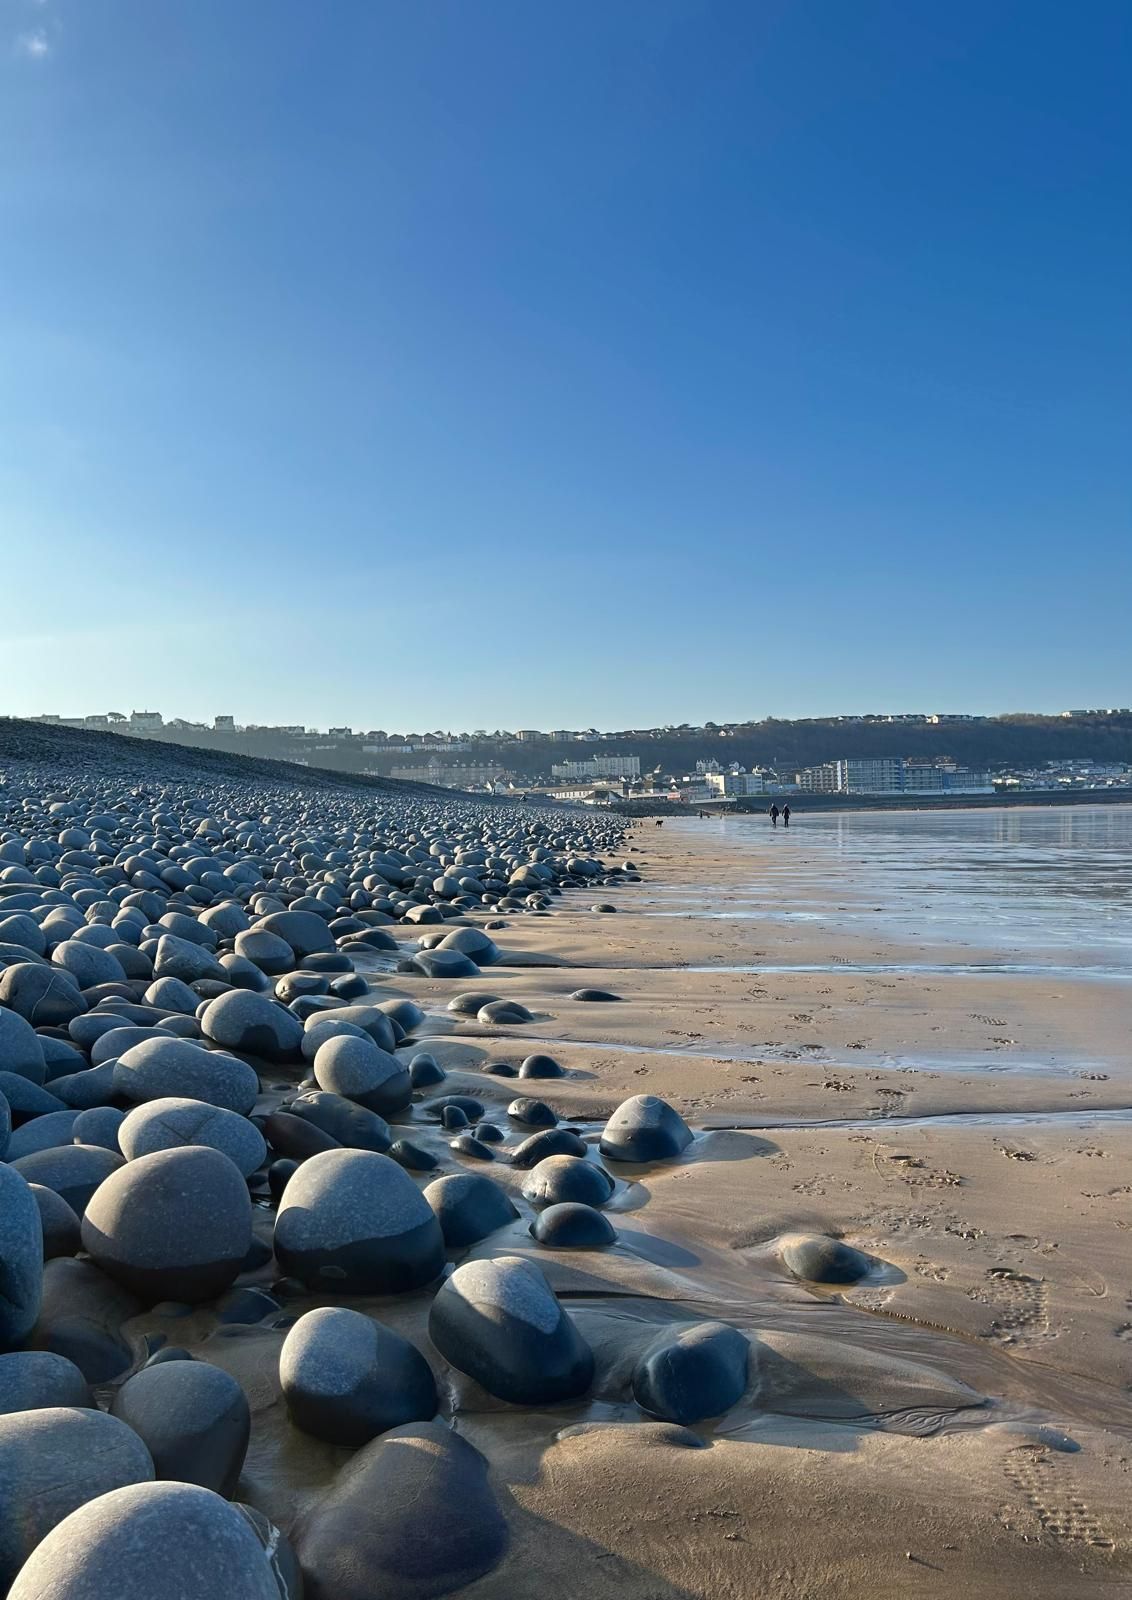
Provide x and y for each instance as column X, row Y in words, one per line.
column 823, row 1056
column 1061, row 1118
column 1039, row 882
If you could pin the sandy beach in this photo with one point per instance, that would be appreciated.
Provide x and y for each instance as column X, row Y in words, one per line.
column 961, row 1418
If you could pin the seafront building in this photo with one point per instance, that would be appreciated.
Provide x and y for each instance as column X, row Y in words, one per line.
column 892, row 775
column 598, row 767
column 735, row 784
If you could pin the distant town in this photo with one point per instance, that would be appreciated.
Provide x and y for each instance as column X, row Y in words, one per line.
column 930, row 754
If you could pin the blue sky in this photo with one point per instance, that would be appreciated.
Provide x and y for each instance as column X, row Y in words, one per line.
column 488, row 362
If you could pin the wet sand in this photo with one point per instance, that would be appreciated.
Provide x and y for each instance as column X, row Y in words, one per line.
column 962, row 1127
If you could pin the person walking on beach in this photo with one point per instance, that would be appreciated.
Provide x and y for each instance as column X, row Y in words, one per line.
column 774, row 815
column 786, row 816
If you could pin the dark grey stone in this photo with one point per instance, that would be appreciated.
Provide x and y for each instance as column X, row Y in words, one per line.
column 43, row 1133
column 175, row 1225
column 161, row 1069
column 253, row 1024
column 346, row 1378
column 471, row 1003
column 541, row 1066
column 559, row 1180
column 171, row 1123
column 297, row 1138
column 305, row 931
column 61, row 1228
column 550, row 1142
column 645, row 1128
column 503, row 1013
column 817, row 1258
column 469, row 1207
column 43, row 995
column 700, row 1372
column 187, row 1541
column 532, row 1113
column 193, row 1418
column 466, row 1144
column 372, row 1020
column 51, row 1462
column 21, row 1259
column 499, row 1322
column 74, row 1171
column 99, row 1126
column 425, row 1070
column 20, row 1049
column 412, row 1156
column 82, row 1316
column 360, row 1070
column 353, row 1220
column 26, row 1099
column 572, row 1225
column 363, row 1538
column 32, row 1380
column 473, row 943
column 84, row 1091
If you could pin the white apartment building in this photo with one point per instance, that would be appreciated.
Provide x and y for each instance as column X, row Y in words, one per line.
column 735, row 783
column 598, row 767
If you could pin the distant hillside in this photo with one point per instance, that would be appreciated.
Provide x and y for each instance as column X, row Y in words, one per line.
column 162, row 760
column 1015, row 741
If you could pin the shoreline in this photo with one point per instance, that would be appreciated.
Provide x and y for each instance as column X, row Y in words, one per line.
column 800, row 804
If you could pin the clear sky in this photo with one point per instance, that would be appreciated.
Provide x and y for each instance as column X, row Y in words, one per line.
column 553, row 362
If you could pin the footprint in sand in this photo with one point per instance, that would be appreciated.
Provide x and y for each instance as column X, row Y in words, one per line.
column 1020, row 1304
column 1047, row 1485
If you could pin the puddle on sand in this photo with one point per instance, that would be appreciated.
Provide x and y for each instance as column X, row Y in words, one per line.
column 944, row 1119
column 1054, row 1065
column 956, row 969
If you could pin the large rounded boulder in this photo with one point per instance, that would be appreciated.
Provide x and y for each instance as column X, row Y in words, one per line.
column 410, row 1517
column 72, row 1171
column 480, row 947
column 354, row 1220
column 500, row 1322
column 346, row 1378
column 21, row 1049
column 43, row 995
column 172, row 1123
column 21, row 1259
column 254, row 1025
column 170, row 1539
column 305, row 931
column 468, row 1207
column 562, row 1180
column 572, row 1226
column 344, row 1120
column 700, row 1372
column 175, row 1225
column 52, row 1461
column 193, row 1418
column 161, row 1069
column 645, row 1128
column 359, row 1070
column 34, row 1380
